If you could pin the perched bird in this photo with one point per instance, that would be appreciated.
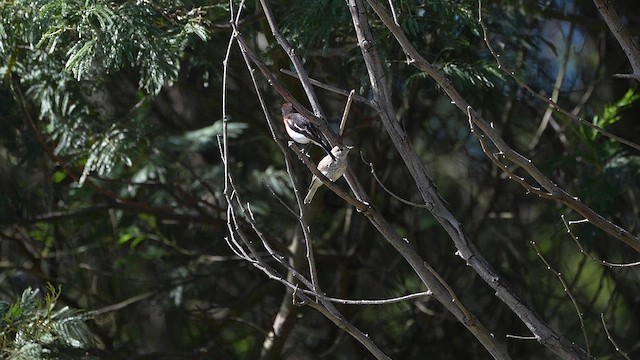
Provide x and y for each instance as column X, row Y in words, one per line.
column 301, row 130
column 333, row 168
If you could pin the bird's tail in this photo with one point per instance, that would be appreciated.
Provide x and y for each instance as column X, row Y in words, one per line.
column 327, row 149
column 319, row 139
column 315, row 185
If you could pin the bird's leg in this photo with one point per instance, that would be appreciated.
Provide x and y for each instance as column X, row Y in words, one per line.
column 303, row 149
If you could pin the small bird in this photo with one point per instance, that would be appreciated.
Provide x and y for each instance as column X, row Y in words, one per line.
column 301, row 130
column 333, row 168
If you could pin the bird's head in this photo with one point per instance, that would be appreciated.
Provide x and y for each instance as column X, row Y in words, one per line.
column 341, row 150
column 287, row 108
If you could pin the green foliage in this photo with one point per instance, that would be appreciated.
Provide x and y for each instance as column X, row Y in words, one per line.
column 98, row 37
column 474, row 76
column 450, row 18
column 615, row 169
column 469, row 79
column 63, row 52
column 312, row 24
column 31, row 328
column 204, row 138
column 611, row 114
column 124, row 96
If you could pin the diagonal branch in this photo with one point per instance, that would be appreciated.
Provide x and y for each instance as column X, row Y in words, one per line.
column 321, row 304
column 549, row 101
column 297, row 64
column 427, row 189
column 611, row 17
column 434, row 282
column 441, row 291
column 330, row 88
column 308, row 88
column 518, row 159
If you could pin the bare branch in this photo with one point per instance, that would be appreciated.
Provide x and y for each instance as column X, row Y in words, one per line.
column 375, row 176
column 122, row 304
column 519, row 337
column 330, row 88
column 426, row 187
column 556, row 87
column 567, row 225
column 301, row 214
column 280, row 200
column 615, row 345
column 566, row 289
column 297, row 64
column 611, row 17
column 345, row 113
column 373, row 302
column 543, row 332
column 549, row 102
column 554, row 190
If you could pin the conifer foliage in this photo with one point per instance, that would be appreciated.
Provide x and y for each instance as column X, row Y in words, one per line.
column 489, row 207
column 32, row 328
column 61, row 55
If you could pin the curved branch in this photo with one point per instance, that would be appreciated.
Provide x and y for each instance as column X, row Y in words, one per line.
column 437, row 207
column 330, row 88
column 518, row 159
column 427, row 189
column 324, row 306
column 611, row 17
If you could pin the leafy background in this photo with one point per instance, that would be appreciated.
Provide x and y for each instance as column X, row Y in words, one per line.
column 111, row 180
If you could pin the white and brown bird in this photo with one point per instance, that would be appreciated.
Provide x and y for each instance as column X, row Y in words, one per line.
column 331, row 167
column 301, row 130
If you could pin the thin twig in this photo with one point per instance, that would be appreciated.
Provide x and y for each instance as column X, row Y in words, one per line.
column 122, row 304
column 375, row 176
column 330, row 88
column 246, row 53
column 548, row 101
column 254, row 258
column 372, row 302
column 345, row 113
column 505, row 150
column 225, row 73
column 555, row 94
column 520, row 337
column 591, row 257
column 566, row 289
column 284, row 204
column 615, row 345
column 393, row 12
column 297, row 64
column 301, row 215
column 496, row 157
